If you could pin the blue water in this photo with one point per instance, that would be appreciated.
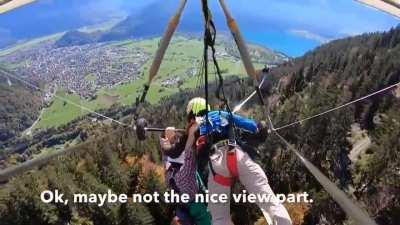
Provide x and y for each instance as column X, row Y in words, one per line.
column 284, row 42
column 41, row 18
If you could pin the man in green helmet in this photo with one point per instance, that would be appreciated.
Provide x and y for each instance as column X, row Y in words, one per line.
column 229, row 163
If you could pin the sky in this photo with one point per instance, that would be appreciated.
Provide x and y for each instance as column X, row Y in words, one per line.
column 289, row 26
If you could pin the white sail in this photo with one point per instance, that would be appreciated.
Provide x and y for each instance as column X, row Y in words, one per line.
column 389, row 6
column 6, row 6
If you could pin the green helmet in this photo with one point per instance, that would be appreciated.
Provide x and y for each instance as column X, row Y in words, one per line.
column 196, row 105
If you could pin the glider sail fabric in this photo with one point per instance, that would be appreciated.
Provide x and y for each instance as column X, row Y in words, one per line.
column 8, row 5
column 389, row 6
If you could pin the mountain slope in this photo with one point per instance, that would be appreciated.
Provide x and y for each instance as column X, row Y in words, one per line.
column 137, row 25
column 332, row 75
column 19, row 108
column 74, row 38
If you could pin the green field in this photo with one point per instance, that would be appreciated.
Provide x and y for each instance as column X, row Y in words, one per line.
column 182, row 58
column 62, row 111
column 182, row 55
column 90, row 77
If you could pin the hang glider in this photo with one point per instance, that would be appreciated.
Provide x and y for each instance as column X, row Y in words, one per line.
column 389, row 6
column 8, row 5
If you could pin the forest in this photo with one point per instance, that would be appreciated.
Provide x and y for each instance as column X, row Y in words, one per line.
column 19, row 108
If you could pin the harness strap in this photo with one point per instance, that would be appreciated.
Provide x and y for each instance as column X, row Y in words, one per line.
column 231, row 162
column 224, row 181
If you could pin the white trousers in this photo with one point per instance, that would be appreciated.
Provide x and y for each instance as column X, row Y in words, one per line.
column 253, row 177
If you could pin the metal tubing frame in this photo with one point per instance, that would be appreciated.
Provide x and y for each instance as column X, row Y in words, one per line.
column 237, row 35
column 165, row 41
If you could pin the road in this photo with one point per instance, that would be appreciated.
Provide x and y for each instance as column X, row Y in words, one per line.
column 28, row 132
column 358, row 148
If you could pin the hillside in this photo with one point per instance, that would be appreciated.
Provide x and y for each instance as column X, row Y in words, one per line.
column 124, row 30
column 328, row 76
column 136, row 25
column 333, row 75
column 19, row 108
column 73, row 38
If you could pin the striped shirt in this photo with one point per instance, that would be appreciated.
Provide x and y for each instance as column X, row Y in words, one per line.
column 182, row 177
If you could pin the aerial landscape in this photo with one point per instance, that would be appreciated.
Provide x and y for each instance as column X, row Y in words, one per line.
column 105, row 70
column 70, row 79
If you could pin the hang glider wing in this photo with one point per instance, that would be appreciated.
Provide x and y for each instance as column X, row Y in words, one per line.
column 8, row 5
column 389, row 6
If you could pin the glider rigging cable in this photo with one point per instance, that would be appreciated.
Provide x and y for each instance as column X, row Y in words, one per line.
column 352, row 210
column 210, row 35
column 9, row 74
column 348, row 206
column 298, row 122
column 4, row 176
column 338, row 107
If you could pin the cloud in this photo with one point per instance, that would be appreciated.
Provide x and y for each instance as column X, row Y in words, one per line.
column 95, row 11
column 89, row 11
column 99, row 11
column 336, row 19
column 310, row 35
